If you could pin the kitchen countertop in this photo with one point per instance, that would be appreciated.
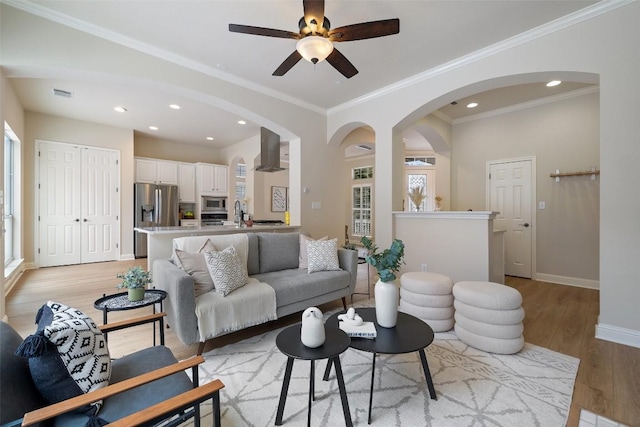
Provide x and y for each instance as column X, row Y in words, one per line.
column 214, row 229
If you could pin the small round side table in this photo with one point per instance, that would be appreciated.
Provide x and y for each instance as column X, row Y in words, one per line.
column 120, row 301
column 336, row 342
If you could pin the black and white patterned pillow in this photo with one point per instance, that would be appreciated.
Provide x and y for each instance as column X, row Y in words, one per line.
column 322, row 255
column 226, row 270
column 68, row 355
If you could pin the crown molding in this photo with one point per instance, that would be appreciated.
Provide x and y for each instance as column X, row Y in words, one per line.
column 528, row 104
column 574, row 18
column 112, row 36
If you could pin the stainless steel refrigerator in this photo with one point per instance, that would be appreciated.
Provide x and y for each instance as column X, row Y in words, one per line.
column 154, row 206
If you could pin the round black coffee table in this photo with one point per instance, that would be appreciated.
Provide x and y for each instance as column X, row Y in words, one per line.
column 410, row 334
column 336, row 342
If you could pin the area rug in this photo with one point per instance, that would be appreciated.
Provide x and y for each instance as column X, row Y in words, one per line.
column 474, row 388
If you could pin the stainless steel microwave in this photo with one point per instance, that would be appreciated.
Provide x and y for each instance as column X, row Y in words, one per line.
column 213, row 204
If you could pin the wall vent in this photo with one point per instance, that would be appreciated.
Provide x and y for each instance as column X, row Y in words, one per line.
column 62, row 93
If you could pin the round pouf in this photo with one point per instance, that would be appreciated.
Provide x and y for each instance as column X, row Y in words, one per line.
column 428, row 297
column 489, row 316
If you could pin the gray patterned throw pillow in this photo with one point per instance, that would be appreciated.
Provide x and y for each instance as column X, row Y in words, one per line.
column 322, row 255
column 226, row 270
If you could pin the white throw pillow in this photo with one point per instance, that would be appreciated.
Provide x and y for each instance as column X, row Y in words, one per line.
column 323, row 255
column 302, row 261
column 226, row 270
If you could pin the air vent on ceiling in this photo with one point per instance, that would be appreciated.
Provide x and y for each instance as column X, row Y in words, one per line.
column 364, row 147
column 62, row 93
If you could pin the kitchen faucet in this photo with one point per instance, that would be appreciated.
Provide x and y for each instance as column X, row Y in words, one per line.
column 237, row 211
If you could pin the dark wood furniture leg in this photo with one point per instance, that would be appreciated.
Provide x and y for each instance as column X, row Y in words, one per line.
column 343, row 392
column 284, row 391
column 344, row 303
column 427, row 374
column 373, row 374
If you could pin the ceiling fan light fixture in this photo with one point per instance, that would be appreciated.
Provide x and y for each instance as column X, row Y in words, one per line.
column 314, row 48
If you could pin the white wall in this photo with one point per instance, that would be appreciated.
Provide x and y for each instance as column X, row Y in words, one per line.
column 600, row 47
column 57, row 129
column 146, row 146
column 564, row 135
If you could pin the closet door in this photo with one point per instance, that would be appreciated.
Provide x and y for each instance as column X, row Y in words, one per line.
column 78, row 205
column 59, row 215
column 100, row 205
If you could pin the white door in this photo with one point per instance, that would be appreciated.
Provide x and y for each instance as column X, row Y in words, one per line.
column 420, row 177
column 59, row 204
column 100, row 205
column 78, row 205
column 510, row 195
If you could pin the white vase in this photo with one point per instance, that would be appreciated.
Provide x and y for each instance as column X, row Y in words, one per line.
column 386, row 294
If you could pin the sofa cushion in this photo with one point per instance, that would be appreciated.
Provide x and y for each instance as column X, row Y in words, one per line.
column 68, row 355
column 295, row 285
column 226, row 270
column 134, row 400
column 19, row 394
column 303, row 259
column 322, row 255
column 278, row 251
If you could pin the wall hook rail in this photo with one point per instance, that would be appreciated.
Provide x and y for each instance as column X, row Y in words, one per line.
column 593, row 172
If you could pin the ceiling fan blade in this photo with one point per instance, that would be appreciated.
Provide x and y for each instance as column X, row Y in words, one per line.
column 341, row 63
column 288, row 64
column 365, row 30
column 313, row 9
column 259, row 31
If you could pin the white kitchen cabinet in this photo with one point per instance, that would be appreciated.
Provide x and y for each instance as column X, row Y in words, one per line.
column 212, row 179
column 156, row 171
column 187, row 182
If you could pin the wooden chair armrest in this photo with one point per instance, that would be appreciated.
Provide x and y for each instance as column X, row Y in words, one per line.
column 159, row 411
column 116, row 326
column 56, row 409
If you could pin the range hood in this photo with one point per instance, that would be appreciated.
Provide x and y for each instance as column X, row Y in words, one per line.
column 269, row 152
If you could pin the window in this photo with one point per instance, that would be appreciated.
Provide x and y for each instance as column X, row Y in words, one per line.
column 361, row 210
column 241, row 170
column 365, row 172
column 241, row 191
column 9, row 197
column 419, row 161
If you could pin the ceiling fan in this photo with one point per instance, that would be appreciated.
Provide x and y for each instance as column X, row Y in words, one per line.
column 316, row 38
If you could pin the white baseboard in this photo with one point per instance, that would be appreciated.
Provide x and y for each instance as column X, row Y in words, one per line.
column 564, row 280
column 617, row 334
column 127, row 257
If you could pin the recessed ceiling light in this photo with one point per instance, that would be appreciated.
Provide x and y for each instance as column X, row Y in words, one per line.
column 553, row 83
column 120, row 109
column 174, row 106
column 153, row 127
column 242, row 122
column 472, row 105
column 209, row 138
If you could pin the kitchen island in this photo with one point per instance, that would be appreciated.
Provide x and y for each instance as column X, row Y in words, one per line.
column 160, row 239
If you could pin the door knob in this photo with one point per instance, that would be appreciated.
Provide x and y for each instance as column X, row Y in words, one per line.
column 77, row 220
column 86, row 220
column 526, row 224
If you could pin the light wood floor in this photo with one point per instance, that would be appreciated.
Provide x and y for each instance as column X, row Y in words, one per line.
column 561, row 318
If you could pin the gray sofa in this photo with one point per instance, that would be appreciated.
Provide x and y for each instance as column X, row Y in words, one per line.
column 272, row 258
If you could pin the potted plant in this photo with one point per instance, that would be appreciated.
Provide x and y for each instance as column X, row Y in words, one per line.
column 387, row 263
column 134, row 280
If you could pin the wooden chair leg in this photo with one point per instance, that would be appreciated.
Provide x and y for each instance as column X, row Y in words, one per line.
column 200, row 348
column 344, row 303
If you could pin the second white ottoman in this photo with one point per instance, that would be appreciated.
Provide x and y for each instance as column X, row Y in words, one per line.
column 428, row 296
column 489, row 316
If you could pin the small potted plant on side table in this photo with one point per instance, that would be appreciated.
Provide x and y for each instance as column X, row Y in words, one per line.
column 135, row 281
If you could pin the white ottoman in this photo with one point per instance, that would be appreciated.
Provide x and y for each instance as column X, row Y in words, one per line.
column 489, row 316
column 428, row 297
